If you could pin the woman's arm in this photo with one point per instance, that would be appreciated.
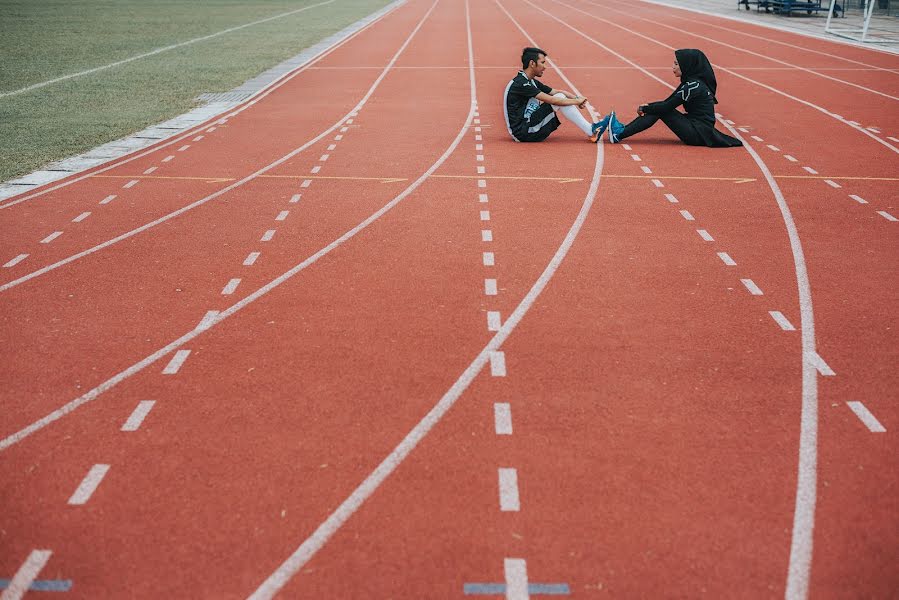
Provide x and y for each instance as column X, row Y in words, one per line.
column 663, row 106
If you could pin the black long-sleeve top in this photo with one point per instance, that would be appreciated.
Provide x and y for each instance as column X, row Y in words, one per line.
column 698, row 101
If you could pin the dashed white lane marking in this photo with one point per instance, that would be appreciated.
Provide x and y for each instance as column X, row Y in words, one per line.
column 337, row 138
column 482, row 183
column 231, row 286
column 726, row 259
column 810, row 170
column 108, row 199
column 494, row 320
column 489, row 259
column 516, row 572
column 790, row 158
column 636, row 157
column 282, row 215
column 198, row 138
column 131, row 184
column 349, row 121
column 502, row 418
column 306, row 183
column 51, row 237
column 856, row 123
column 332, row 147
column 210, row 130
column 752, row 287
column 343, row 129
column 324, row 157
column 686, row 214
column 743, row 129
column 832, row 183
column 773, row 148
column 873, row 129
column 168, row 158
column 781, row 320
column 858, row 199
column 626, row 147
column 866, row 417
column 184, row 147
column 250, row 259
column 490, row 287
column 478, row 129
column 892, row 139
column 729, row 122
column 705, row 235
column 208, row 320
column 316, row 169
column 81, row 217
column 822, row 367
column 150, row 170
column 89, row 485
column 479, row 147
column 482, row 197
column 478, row 138
column 485, row 215
column 16, row 260
column 267, row 236
column 477, row 121
column 887, row 215
column 486, row 235
column 508, row 490
column 671, row 198
column 646, row 169
column 295, row 198
column 757, row 138
column 176, row 362
column 657, row 183
column 482, row 170
column 497, row 363
column 26, row 574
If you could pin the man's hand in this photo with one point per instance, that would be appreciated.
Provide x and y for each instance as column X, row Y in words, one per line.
column 583, row 103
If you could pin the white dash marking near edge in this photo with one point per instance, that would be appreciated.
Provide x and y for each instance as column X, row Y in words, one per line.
column 726, row 259
column 478, row 138
column 89, row 485
column 773, row 148
column 705, row 235
column 150, row 170
column 198, row 138
column 790, row 158
column 81, row 217
column 332, row 147
column 810, row 170
column 486, row 235
column 306, row 183
column 108, row 199
column 210, row 130
column 494, row 320
column 343, row 129
column 477, row 129
column 822, row 367
column 832, row 183
column 168, row 158
column 282, row 215
column 646, row 169
column 752, row 287
column 502, row 418
column 489, row 259
column 858, row 199
column 15, row 261
column 490, row 287
column 349, row 121
column 686, row 214
column 176, row 362
column 337, row 138
column 482, row 170
column 208, row 320
column 781, row 320
column 866, row 417
column 184, row 147
column 508, row 490
column 295, row 198
column 482, row 183
column 250, row 259
column 497, row 363
column 485, row 215
column 626, row 147
column 316, row 169
column 130, row 184
column 482, row 197
column 743, row 129
column 479, row 147
column 657, row 183
column 267, row 236
column 892, row 139
column 671, row 198
column 636, row 157
column 516, row 572
column 887, row 215
column 757, row 138
column 324, row 157
column 231, row 286
column 51, row 237
column 27, row 573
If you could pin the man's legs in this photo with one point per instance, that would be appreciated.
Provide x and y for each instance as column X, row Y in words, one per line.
column 573, row 114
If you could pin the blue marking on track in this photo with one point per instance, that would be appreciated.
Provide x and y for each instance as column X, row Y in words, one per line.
column 45, row 585
column 499, row 589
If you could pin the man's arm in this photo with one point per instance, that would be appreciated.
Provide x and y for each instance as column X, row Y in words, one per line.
column 567, row 101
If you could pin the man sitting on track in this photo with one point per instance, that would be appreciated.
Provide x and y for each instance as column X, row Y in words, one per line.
column 530, row 106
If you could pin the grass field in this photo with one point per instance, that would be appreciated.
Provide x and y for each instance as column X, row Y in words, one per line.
column 42, row 40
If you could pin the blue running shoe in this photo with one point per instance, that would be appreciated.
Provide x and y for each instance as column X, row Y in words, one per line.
column 616, row 128
column 599, row 128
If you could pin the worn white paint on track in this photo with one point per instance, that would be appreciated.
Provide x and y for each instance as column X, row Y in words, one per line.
column 354, row 501
column 800, row 563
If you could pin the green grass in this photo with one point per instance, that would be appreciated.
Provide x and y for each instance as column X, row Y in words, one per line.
column 46, row 39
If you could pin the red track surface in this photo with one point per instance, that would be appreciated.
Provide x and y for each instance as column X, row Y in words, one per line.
column 656, row 404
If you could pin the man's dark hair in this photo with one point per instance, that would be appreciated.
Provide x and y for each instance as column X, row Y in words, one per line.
column 531, row 54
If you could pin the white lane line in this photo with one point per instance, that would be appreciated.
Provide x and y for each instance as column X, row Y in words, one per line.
column 250, row 259
column 198, row 138
column 705, row 235
column 89, row 485
column 856, row 123
column 757, row 138
column 781, row 320
column 887, row 215
column 231, row 286
column 478, row 138
column 858, row 199
column 636, row 157
column 184, row 147
column 479, row 147
column 832, row 183
column 316, row 169
column 485, row 215
column 150, row 170
column 349, row 121
column 344, row 129
column 130, row 184
column 486, row 235
column 478, row 129
column 773, row 148
column 657, row 183
column 176, row 362
column 482, row 170
column 892, row 139
column 516, row 572
column 81, row 217
column 137, row 417
column 332, row 147
column 810, row 170
column 490, row 287
column 489, row 259
column 752, row 287
column 16, row 260
column 743, row 129
column 494, row 320
column 482, row 183
column 26, row 574
column 671, row 198
column 282, row 215
column 267, row 236
column 508, row 490
column 306, row 183
column 502, row 418
column 822, row 367
column 295, row 198
column 646, row 169
column 208, row 320
column 482, row 197
column 497, row 363
column 686, row 214
column 866, row 417
column 51, row 237
column 324, row 157
column 726, row 259
column 338, row 138
column 790, row 158
column 626, row 147
column 108, row 199
column 477, row 121
column 168, row 158
column 873, row 129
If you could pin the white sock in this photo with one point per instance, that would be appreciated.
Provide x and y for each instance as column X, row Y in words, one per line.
column 573, row 114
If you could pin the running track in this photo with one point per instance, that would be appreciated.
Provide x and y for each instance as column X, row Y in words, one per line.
column 423, row 361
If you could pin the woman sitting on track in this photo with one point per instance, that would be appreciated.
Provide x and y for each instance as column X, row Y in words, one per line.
column 696, row 92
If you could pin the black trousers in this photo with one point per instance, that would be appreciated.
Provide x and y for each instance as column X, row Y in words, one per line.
column 690, row 131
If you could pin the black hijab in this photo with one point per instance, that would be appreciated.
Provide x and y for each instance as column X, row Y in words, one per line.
column 694, row 65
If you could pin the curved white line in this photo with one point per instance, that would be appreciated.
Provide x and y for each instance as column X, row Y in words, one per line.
column 806, row 494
